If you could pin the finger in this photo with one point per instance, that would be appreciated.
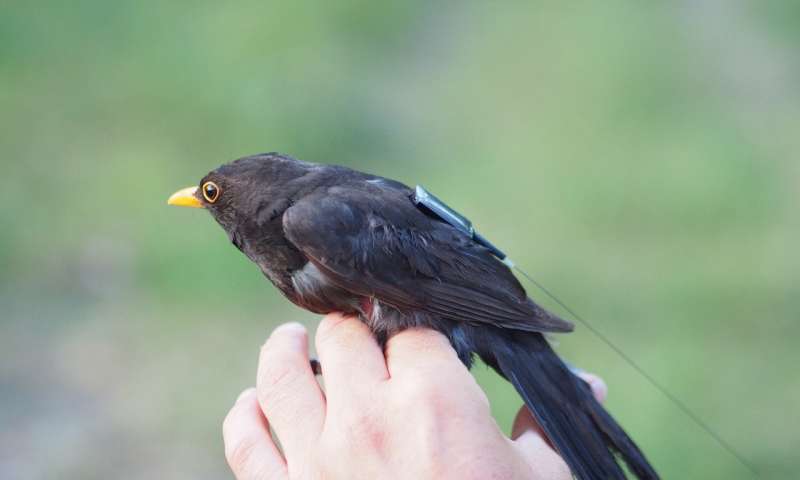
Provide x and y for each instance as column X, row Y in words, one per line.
column 249, row 448
column 523, row 423
column 599, row 387
column 350, row 356
column 414, row 350
column 536, row 449
column 288, row 392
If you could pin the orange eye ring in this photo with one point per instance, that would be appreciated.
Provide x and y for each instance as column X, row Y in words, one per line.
column 211, row 192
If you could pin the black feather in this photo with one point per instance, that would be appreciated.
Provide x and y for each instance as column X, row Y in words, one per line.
column 333, row 239
column 582, row 431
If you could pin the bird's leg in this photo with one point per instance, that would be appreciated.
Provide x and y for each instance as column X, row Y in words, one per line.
column 316, row 367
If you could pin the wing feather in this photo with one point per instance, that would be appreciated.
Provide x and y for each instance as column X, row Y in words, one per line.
column 390, row 250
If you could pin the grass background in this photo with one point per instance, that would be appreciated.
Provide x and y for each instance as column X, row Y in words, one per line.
column 639, row 158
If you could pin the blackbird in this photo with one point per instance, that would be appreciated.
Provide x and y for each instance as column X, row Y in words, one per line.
column 334, row 239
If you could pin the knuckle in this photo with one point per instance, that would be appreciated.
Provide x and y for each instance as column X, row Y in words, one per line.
column 277, row 382
column 276, row 374
column 332, row 328
column 274, row 387
column 430, row 399
column 423, row 401
column 279, row 367
column 366, row 432
column 420, row 340
column 363, row 431
column 422, row 389
column 227, row 423
column 239, row 453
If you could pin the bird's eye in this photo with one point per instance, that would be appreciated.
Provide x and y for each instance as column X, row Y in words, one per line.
column 211, row 192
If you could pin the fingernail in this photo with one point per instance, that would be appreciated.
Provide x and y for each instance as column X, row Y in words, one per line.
column 599, row 387
column 245, row 394
column 292, row 334
column 291, row 327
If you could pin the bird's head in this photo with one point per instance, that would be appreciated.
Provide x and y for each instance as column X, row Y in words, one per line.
column 238, row 193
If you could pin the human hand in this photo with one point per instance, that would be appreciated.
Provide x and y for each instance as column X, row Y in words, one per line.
column 414, row 413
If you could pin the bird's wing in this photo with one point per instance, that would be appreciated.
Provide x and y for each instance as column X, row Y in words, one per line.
column 376, row 243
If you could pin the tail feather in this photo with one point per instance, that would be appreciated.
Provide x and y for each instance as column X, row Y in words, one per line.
column 582, row 431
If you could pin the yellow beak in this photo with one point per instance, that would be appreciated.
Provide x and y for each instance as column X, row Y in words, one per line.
column 185, row 197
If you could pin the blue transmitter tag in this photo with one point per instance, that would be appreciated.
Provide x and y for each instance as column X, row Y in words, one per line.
column 427, row 201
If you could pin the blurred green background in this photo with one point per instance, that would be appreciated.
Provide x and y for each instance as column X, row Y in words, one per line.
column 639, row 158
